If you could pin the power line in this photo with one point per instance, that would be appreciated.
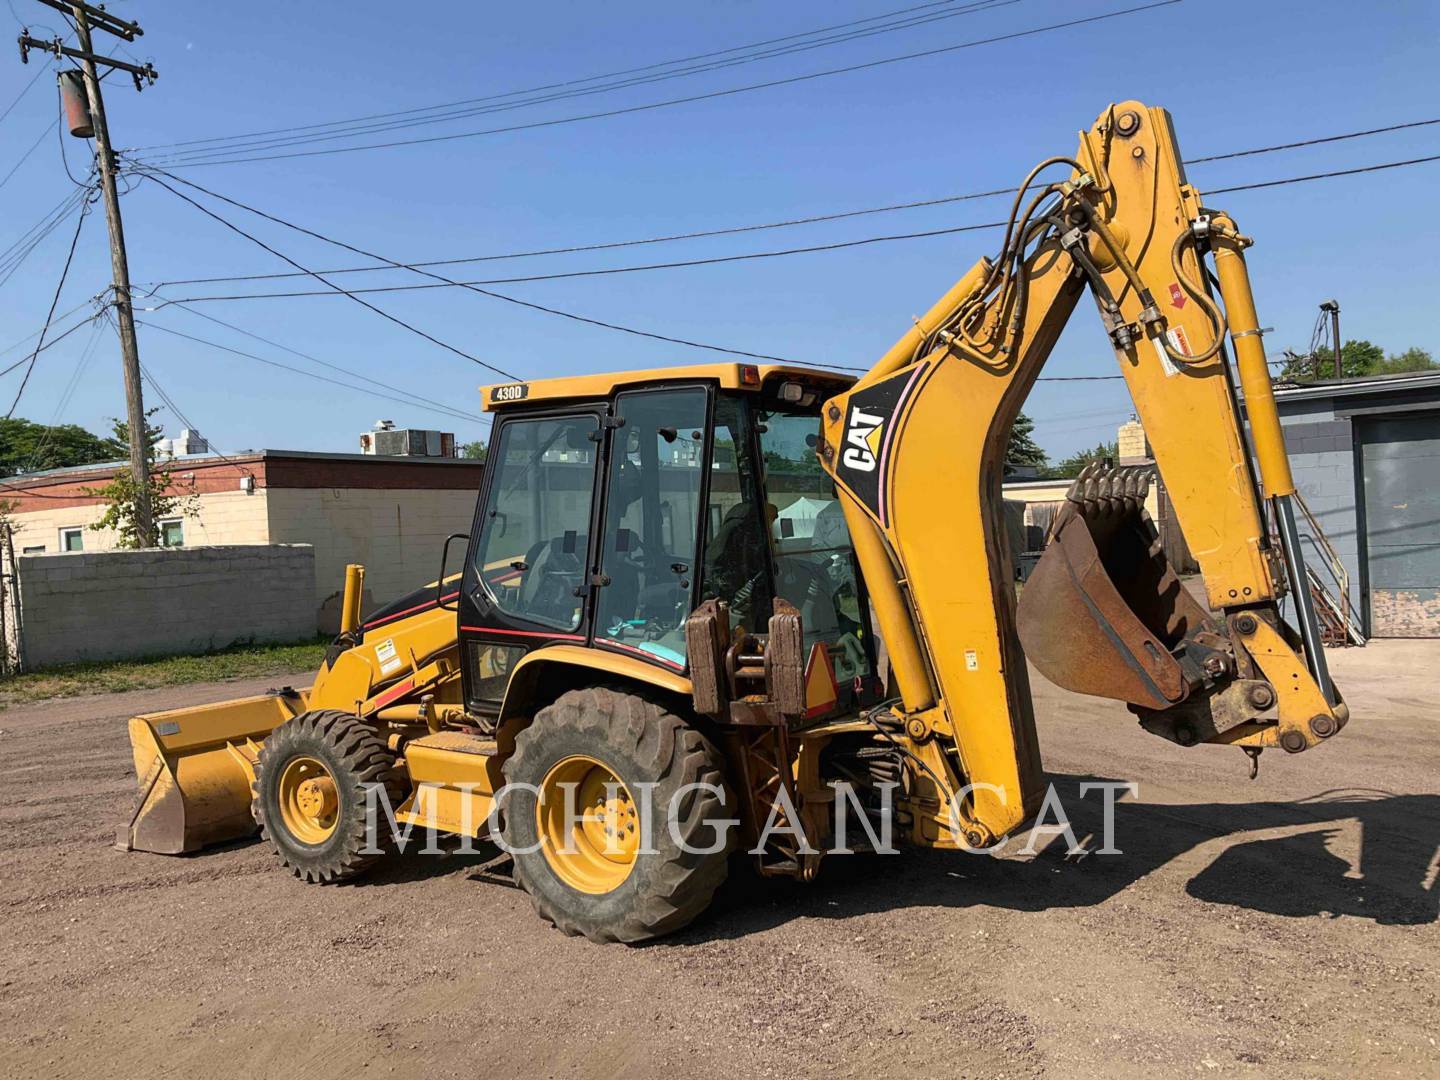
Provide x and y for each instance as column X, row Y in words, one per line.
column 175, row 411
column 1015, row 35
column 58, row 208
column 354, row 128
column 1083, row 378
column 454, row 414
column 734, row 230
column 473, row 288
column 1326, row 175
column 48, row 345
column 26, row 245
column 721, row 259
column 606, row 271
column 54, row 301
column 26, row 156
column 6, row 486
column 53, row 341
column 20, row 96
column 1313, row 142
column 33, row 462
column 410, row 394
column 331, row 285
column 543, row 87
column 763, row 226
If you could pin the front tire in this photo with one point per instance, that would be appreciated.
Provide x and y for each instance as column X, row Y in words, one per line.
column 613, row 746
column 311, row 790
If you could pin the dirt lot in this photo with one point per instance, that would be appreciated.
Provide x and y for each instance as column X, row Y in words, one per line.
column 1285, row 927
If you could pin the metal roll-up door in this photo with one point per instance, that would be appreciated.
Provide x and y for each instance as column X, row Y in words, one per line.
column 1400, row 459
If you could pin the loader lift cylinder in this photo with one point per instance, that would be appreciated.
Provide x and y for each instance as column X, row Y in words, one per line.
column 350, row 602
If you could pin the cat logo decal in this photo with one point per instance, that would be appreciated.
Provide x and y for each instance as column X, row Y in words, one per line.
column 863, row 439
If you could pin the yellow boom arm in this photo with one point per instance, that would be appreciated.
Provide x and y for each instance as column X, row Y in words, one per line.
column 917, row 450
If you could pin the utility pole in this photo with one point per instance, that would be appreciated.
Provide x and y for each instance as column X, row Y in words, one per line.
column 84, row 16
column 1333, row 307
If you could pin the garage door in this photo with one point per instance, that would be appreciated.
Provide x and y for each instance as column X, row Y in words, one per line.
column 1401, row 463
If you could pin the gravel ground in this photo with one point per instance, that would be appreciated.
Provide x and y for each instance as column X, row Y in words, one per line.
column 1285, row 927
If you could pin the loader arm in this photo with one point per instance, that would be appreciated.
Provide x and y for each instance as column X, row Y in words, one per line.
column 916, row 448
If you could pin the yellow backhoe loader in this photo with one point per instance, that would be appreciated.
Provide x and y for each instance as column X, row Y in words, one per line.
column 676, row 582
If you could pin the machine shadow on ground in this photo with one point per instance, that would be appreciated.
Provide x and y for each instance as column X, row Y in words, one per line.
column 1363, row 853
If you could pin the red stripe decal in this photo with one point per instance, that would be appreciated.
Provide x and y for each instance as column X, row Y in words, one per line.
column 547, row 635
column 409, row 611
column 642, row 652
column 399, row 690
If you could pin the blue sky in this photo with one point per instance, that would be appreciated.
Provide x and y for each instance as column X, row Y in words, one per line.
column 1234, row 74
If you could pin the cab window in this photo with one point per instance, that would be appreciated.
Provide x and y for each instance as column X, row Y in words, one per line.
column 815, row 567
column 534, row 530
column 737, row 547
column 652, row 518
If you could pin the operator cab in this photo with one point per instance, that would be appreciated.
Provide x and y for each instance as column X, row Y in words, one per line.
column 613, row 506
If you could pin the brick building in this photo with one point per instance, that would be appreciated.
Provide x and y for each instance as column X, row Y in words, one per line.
column 390, row 513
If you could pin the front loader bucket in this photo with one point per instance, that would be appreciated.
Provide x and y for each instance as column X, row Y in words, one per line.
column 1103, row 608
column 195, row 767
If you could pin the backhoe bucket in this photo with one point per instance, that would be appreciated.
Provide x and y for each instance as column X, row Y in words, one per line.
column 195, row 767
column 1103, row 608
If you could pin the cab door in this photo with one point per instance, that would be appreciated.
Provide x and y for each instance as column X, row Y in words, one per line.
column 652, row 520
column 526, row 578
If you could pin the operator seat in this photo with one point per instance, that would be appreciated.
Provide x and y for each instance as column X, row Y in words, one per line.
column 553, row 570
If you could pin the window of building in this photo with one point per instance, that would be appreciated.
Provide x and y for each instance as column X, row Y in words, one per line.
column 72, row 539
column 36, row 549
column 172, row 532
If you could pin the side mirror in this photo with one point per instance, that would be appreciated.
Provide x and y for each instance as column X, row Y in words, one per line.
column 440, row 581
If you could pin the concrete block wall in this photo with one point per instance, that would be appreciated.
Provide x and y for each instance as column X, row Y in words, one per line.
column 120, row 604
column 397, row 534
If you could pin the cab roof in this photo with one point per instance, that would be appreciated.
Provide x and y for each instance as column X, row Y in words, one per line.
column 574, row 388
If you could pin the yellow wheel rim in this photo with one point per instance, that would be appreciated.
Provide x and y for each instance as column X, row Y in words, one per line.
column 588, row 825
column 308, row 800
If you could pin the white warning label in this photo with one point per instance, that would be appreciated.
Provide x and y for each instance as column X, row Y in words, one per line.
column 388, row 657
column 1179, row 342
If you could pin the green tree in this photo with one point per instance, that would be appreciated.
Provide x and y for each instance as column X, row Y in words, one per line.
column 1070, row 466
column 1412, row 359
column 1022, row 448
column 26, row 446
column 807, row 465
column 1356, row 358
column 168, row 496
column 475, row 451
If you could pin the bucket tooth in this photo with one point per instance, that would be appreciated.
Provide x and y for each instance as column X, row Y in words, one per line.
column 1103, row 610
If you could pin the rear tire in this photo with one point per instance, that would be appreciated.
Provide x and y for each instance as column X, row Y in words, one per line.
column 311, row 785
column 637, row 742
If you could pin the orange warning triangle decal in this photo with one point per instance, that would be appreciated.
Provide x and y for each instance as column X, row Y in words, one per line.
column 821, row 693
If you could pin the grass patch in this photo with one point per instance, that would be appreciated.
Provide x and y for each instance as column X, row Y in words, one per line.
column 112, row 676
